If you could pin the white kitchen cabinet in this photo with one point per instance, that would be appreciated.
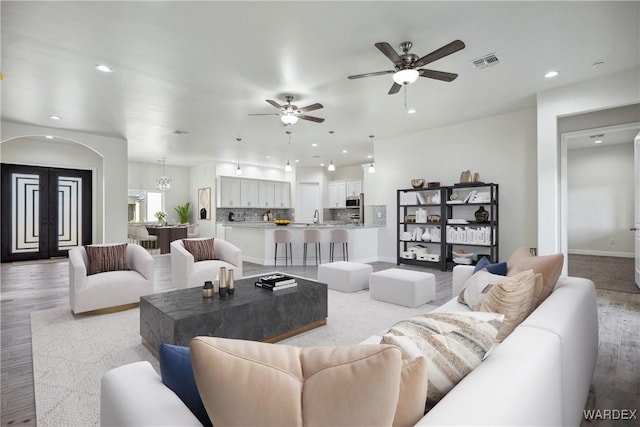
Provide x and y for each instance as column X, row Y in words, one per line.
column 266, row 190
column 337, row 194
column 282, row 195
column 229, row 192
column 354, row 188
column 249, row 190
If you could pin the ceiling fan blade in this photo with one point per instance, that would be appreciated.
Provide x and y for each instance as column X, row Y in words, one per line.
column 395, row 88
column 445, row 50
column 438, row 75
column 389, row 52
column 311, row 107
column 269, row 114
column 274, row 103
column 311, row 118
column 377, row 73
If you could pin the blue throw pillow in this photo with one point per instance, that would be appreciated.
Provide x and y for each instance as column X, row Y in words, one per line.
column 497, row 268
column 177, row 374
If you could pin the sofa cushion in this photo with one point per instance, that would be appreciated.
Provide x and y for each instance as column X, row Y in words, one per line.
column 493, row 268
column 513, row 297
column 453, row 344
column 201, row 249
column 346, row 385
column 475, row 289
column 103, row 258
column 177, row 374
column 550, row 266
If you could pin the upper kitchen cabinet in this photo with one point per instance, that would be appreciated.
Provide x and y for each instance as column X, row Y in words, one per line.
column 282, row 195
column 249, row 190
column 229, row 192
column 354, row 188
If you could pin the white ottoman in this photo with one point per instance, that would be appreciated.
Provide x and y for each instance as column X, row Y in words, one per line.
column 402, row 287
column 345, row 276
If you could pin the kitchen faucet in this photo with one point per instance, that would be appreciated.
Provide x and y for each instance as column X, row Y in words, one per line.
column 316, row 217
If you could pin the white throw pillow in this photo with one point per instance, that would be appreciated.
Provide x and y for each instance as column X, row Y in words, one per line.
column 475, row 289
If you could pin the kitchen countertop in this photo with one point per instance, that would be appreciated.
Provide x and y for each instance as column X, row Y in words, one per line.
column 294, row 225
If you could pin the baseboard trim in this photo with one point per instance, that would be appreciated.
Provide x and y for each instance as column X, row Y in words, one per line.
column 601, row 253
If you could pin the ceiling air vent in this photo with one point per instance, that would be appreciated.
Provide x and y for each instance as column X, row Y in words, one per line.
column 486, row 61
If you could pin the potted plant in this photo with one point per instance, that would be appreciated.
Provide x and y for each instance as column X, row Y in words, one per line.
column 184, row 213
column 161, row 216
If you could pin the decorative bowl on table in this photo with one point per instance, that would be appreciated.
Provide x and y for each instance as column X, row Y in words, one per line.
column 417, row 183
column 281, row 222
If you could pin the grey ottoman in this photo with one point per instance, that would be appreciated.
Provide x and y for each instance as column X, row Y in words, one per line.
column 402, row 287
column 345, row 276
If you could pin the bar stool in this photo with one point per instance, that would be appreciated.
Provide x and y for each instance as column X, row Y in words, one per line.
column 339, row 236
column 312, row 236
column 282, row 236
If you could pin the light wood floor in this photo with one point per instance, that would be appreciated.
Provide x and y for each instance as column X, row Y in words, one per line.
column 27, row 287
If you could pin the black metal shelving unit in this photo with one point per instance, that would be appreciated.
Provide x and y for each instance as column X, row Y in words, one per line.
column 448, row 211
column 432, row 208
column 488, row 245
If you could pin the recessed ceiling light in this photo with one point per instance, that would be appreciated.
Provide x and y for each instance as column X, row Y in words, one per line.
column 103, row 68
column 597, row 141
column 369, row 156
column 49, row 137
column 297, row 160
column 267, row 156
column 322, row 164
column 344, row 151
column 314, row 145
column 551, row 74
column 55, row 117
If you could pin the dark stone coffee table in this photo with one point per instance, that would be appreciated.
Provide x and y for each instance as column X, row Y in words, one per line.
column 252, row 313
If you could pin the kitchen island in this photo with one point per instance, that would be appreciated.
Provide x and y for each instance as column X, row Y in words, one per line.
column 255, row 239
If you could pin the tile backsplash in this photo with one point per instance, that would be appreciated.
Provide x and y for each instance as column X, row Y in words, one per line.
column 253, row 214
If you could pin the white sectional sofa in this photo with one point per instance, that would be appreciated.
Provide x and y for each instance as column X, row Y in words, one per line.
column 539, row 375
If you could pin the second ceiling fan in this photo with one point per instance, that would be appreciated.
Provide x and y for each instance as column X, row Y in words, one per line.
column 407, row 66
column 289, row 113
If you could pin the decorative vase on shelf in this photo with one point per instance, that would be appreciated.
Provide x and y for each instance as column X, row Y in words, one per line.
column 482, row 215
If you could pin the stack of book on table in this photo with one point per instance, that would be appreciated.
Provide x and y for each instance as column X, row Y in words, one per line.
column 276, row 282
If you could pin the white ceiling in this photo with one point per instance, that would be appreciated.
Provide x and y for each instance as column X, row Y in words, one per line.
column 203, row 67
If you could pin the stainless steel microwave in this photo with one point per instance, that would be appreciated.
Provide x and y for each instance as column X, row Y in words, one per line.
column 353, row 202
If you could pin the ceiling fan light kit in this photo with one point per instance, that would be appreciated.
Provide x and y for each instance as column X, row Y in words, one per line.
column 289, row 113
column 406, row 77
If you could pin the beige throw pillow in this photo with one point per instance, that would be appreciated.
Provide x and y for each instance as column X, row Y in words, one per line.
column 512, row 297
column 248, row 383
column 550, row 266
column 413, row 392
column 103, row 258
column 476, row 287
column 201, row 249
column 452, row 343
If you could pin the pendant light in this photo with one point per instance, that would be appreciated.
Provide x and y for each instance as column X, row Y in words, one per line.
column 164, row 182
column 372, row 168
column 331, row 167
column 238, row 170
column 287, row 167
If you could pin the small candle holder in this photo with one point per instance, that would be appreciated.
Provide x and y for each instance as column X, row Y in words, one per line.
column 231, row 284
column 207, row 290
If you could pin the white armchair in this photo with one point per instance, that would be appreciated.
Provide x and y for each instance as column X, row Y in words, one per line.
column 111, row 288
column 186, row 273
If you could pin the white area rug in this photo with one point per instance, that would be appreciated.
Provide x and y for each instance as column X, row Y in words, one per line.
column 70, row 354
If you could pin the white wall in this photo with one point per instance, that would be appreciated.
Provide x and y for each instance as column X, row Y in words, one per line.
column 142, row 176
column 500, row 148
column 111, row 186
column 202, row 176
column 600, row 205
column 343, row 173
column 607, row 92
